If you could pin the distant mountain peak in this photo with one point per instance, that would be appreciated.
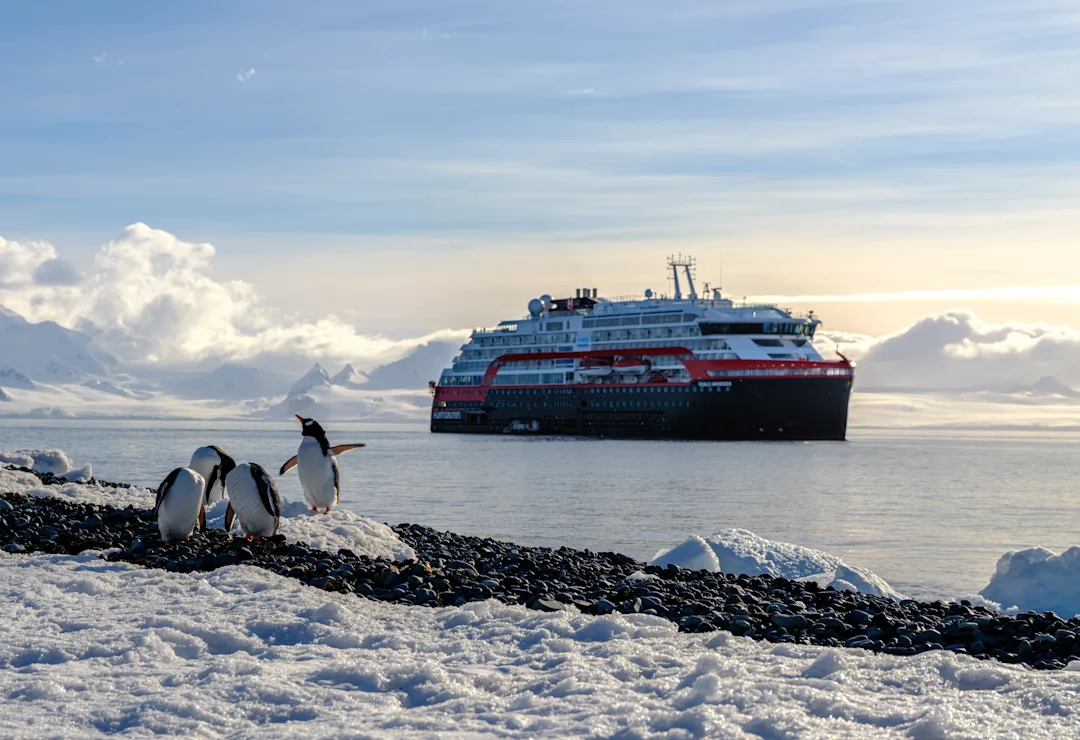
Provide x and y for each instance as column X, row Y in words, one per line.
column 314, row 377
column 1044, row 386
column 4, row 396
column 348, row 375
column 1050, row 384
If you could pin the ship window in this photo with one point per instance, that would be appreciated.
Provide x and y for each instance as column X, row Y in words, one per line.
column 768, row 343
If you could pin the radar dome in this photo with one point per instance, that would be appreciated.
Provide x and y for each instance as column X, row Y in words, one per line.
column 546, row 300
column 648, row 292
column 536, row 307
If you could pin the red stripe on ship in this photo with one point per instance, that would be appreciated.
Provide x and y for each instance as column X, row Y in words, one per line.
column 699, row 369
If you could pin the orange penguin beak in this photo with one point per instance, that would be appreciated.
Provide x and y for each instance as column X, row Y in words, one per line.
column 299, row 418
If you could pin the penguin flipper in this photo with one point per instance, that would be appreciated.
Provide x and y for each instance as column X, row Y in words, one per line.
column 338, row 449
column 289, row 464
column 202, row 518
column 230, row 514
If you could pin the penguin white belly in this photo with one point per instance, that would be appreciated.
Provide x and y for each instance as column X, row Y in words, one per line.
column 317, row 474
column 248, row 502
column 179, row 510
column 203, row 461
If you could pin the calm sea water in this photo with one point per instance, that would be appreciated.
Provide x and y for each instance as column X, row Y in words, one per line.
column 928, row 511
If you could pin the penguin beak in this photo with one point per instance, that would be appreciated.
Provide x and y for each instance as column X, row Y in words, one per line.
column 299, row 418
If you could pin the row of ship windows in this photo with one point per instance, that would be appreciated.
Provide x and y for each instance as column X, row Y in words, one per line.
column 609, row 390
column 781, row 371
column 657, row 404
column 520, row 339
column 699, row 345
column 672, row 331
column 468, row 354
column 656, row 318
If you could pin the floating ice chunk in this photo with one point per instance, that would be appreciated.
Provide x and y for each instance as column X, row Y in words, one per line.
column 1037, row 579
column 743, row 552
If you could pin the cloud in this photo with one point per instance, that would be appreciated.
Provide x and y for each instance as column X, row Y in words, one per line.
column 1026, row 294
column 20, row 260
column 152, row 298
column 584, row 91
column 100, row 58
column 57, row 272
column 245, row 74
column 956, row 349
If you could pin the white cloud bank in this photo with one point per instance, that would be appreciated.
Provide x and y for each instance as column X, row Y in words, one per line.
column 152, row 298
column 1021, row 293
column 955, row 349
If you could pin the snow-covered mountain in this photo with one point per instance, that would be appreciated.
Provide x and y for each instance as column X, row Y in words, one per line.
column 314, row 378
column 349, row 376
column 4, row 396
column 106, row 387
column 12, row 378
column 48, row 352
column 228, row 382
column 1046, row 386
column 318, row 395
column 414, row 370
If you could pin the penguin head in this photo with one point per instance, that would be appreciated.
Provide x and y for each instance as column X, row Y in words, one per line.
column 227, row 463
column 310, row 428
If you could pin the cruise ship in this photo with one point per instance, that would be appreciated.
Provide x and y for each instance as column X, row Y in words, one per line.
column 655, row 367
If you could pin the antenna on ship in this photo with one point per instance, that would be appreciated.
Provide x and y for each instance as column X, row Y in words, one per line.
column 688, row 264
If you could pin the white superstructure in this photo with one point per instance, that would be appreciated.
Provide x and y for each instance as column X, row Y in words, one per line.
column 710, row 328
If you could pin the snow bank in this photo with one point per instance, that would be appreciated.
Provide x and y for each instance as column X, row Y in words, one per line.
column 742, row 551
column 47, row 461
column 1038, row 580
column 340, row 529
column 93, row 648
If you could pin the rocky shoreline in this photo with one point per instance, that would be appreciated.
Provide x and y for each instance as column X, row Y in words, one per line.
column 453, row 569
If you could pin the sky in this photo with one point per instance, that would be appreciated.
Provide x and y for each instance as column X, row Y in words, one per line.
column 404, row 168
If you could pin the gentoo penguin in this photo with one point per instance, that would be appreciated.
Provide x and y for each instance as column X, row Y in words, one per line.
column 179, row 505
column 213, row 465
column 254, row 499
column 316, row 465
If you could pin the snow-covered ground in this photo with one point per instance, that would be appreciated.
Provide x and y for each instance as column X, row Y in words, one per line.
column 93, row 648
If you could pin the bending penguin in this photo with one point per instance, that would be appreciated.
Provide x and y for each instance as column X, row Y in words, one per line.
column 254, row 500
column 317, row 467
column 213, row 465
column 179, row 505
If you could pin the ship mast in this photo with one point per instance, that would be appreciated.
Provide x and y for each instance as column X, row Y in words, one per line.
column 688, row 264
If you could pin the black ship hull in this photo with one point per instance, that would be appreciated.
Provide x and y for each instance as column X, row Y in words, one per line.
column 791, row 408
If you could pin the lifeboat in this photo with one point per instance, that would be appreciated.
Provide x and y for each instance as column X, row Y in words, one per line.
column 631, row 366
column 593, row 368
